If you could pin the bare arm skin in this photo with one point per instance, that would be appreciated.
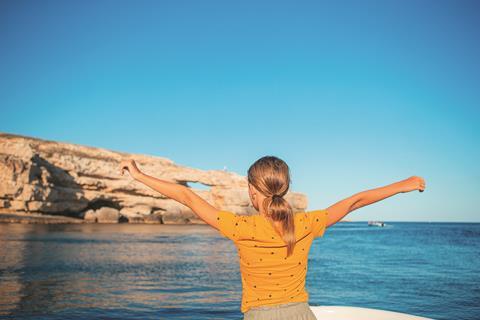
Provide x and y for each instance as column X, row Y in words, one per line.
column 175, row 191
column 209, row 213
column 340, row 209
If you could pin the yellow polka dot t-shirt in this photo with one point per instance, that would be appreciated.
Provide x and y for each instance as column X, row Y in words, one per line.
column 268, row 276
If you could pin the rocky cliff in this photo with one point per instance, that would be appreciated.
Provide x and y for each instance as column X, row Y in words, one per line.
column 44, row 178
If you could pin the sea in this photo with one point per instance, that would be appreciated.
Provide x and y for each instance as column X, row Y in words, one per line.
column 133, row 271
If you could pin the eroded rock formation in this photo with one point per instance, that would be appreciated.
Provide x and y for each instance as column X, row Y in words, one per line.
column 62, row 179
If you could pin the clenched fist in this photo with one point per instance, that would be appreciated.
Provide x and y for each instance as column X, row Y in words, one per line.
column 130, row 166
column 414, row 183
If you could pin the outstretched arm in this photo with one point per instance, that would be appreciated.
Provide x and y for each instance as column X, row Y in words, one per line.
column 175, row 191
column 340, row 209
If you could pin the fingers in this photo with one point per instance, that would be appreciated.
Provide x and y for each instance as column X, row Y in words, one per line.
column 422, row 185
column 126, row 165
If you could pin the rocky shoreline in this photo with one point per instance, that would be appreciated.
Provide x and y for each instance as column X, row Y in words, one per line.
column 43, row 181
column 31, row 218
column 37, row 218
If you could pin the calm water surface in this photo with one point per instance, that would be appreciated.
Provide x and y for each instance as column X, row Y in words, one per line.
column 191, row 272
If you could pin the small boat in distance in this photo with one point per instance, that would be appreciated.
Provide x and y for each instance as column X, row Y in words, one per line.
column 376, row 223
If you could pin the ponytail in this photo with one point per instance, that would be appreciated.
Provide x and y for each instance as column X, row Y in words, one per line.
column 280, row 210
column 271, row 176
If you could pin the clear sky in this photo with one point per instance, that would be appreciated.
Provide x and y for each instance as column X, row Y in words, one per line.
column 353, row 95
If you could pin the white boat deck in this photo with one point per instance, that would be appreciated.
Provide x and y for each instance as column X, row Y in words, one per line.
column 357, row 313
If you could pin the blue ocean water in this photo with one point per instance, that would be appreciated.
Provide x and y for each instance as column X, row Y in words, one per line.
column 191, row 272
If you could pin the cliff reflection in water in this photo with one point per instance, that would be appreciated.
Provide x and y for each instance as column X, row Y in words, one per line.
column 147, row 270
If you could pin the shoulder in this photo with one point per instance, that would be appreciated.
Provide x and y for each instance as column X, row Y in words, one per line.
column 300, row 216
column 229, row 216
column 317, row 219
column 316, row 214
column 232, row 225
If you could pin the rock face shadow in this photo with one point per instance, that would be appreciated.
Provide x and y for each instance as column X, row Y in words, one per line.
column 55, row 190
column 41, row 178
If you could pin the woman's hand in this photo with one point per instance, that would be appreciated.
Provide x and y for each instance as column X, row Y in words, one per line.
column 131, row 167
column 413, row 183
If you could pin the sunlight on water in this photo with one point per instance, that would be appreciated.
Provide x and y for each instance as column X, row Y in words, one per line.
column 191, row 272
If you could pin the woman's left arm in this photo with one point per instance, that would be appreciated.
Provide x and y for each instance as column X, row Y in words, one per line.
column 175, row 191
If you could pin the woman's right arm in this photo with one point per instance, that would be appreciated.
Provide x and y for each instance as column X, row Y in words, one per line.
column 337, row 211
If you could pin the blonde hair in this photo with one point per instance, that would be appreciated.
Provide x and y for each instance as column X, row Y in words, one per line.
column 270, row 175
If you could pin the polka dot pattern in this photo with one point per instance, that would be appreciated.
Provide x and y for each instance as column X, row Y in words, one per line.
column 268, row 275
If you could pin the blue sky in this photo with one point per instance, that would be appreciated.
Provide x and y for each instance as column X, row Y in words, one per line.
column 353, row 95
